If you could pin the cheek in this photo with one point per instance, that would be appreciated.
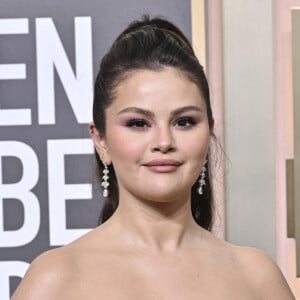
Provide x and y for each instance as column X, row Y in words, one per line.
column 123, row 146
column 197, row 152
column 196, row 146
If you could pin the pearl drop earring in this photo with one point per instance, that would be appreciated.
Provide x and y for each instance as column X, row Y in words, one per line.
column 105, row 178
column 202, row 180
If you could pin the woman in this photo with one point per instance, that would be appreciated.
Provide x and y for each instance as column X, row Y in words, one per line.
column 152, row 129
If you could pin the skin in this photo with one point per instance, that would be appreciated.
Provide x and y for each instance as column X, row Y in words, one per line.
column 151, row 248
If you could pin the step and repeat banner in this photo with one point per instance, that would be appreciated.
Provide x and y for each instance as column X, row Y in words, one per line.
column 49, row 56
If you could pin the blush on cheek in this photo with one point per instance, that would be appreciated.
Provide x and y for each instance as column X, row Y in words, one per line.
column 123, row 147
column 198, row 148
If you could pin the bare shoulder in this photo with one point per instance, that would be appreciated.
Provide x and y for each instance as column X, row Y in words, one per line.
column 47, row 276
column 56, row 274
column 263, row 273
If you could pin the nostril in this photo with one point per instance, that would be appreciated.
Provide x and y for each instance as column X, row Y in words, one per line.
column 163, row 140
column 163, row 148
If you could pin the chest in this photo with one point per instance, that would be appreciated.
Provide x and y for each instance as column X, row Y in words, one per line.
column 164, row 279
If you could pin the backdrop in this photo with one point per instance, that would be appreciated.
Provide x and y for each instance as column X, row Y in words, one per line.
column 49, row 56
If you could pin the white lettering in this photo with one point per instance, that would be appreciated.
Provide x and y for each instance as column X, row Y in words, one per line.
column 50, row 54
column 21, row 191
column 10, row 269
column 59, row 192
column 9, row 117
column 14, row 26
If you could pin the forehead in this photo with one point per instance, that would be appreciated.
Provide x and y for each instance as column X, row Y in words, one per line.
column 165, row 86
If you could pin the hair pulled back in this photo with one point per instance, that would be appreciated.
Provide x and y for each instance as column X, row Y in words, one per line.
column 150, row 44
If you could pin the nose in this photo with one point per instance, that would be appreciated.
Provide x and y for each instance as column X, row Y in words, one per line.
column 163, row 140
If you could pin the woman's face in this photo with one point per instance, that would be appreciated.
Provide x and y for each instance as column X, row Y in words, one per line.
column 157, row 135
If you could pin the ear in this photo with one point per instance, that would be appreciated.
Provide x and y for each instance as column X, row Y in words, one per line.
column 99, row 143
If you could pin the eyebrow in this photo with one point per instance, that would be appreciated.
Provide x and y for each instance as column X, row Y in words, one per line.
column 150, row 114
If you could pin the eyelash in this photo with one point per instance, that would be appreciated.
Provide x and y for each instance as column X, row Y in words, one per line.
column 137, row 123
column 142, row 124
column 191, row 122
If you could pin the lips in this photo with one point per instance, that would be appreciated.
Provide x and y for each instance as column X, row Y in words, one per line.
column 163, row 165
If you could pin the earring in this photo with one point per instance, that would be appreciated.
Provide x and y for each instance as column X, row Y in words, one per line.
column 105, row 178
column 202, row 180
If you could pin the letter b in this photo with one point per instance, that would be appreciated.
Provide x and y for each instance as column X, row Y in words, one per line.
column 22, row 191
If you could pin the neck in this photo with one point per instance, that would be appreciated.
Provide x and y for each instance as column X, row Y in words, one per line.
column 159, row 226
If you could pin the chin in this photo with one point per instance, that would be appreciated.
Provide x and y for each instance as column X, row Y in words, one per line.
column 164, row 196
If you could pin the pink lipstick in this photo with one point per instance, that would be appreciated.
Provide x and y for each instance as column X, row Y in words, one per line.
column 163, row 165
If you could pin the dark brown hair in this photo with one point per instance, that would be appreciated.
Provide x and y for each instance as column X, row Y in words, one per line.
column 150, row 44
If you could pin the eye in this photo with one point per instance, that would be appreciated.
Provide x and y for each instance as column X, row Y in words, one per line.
column 185, row 122
column 137, row 123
